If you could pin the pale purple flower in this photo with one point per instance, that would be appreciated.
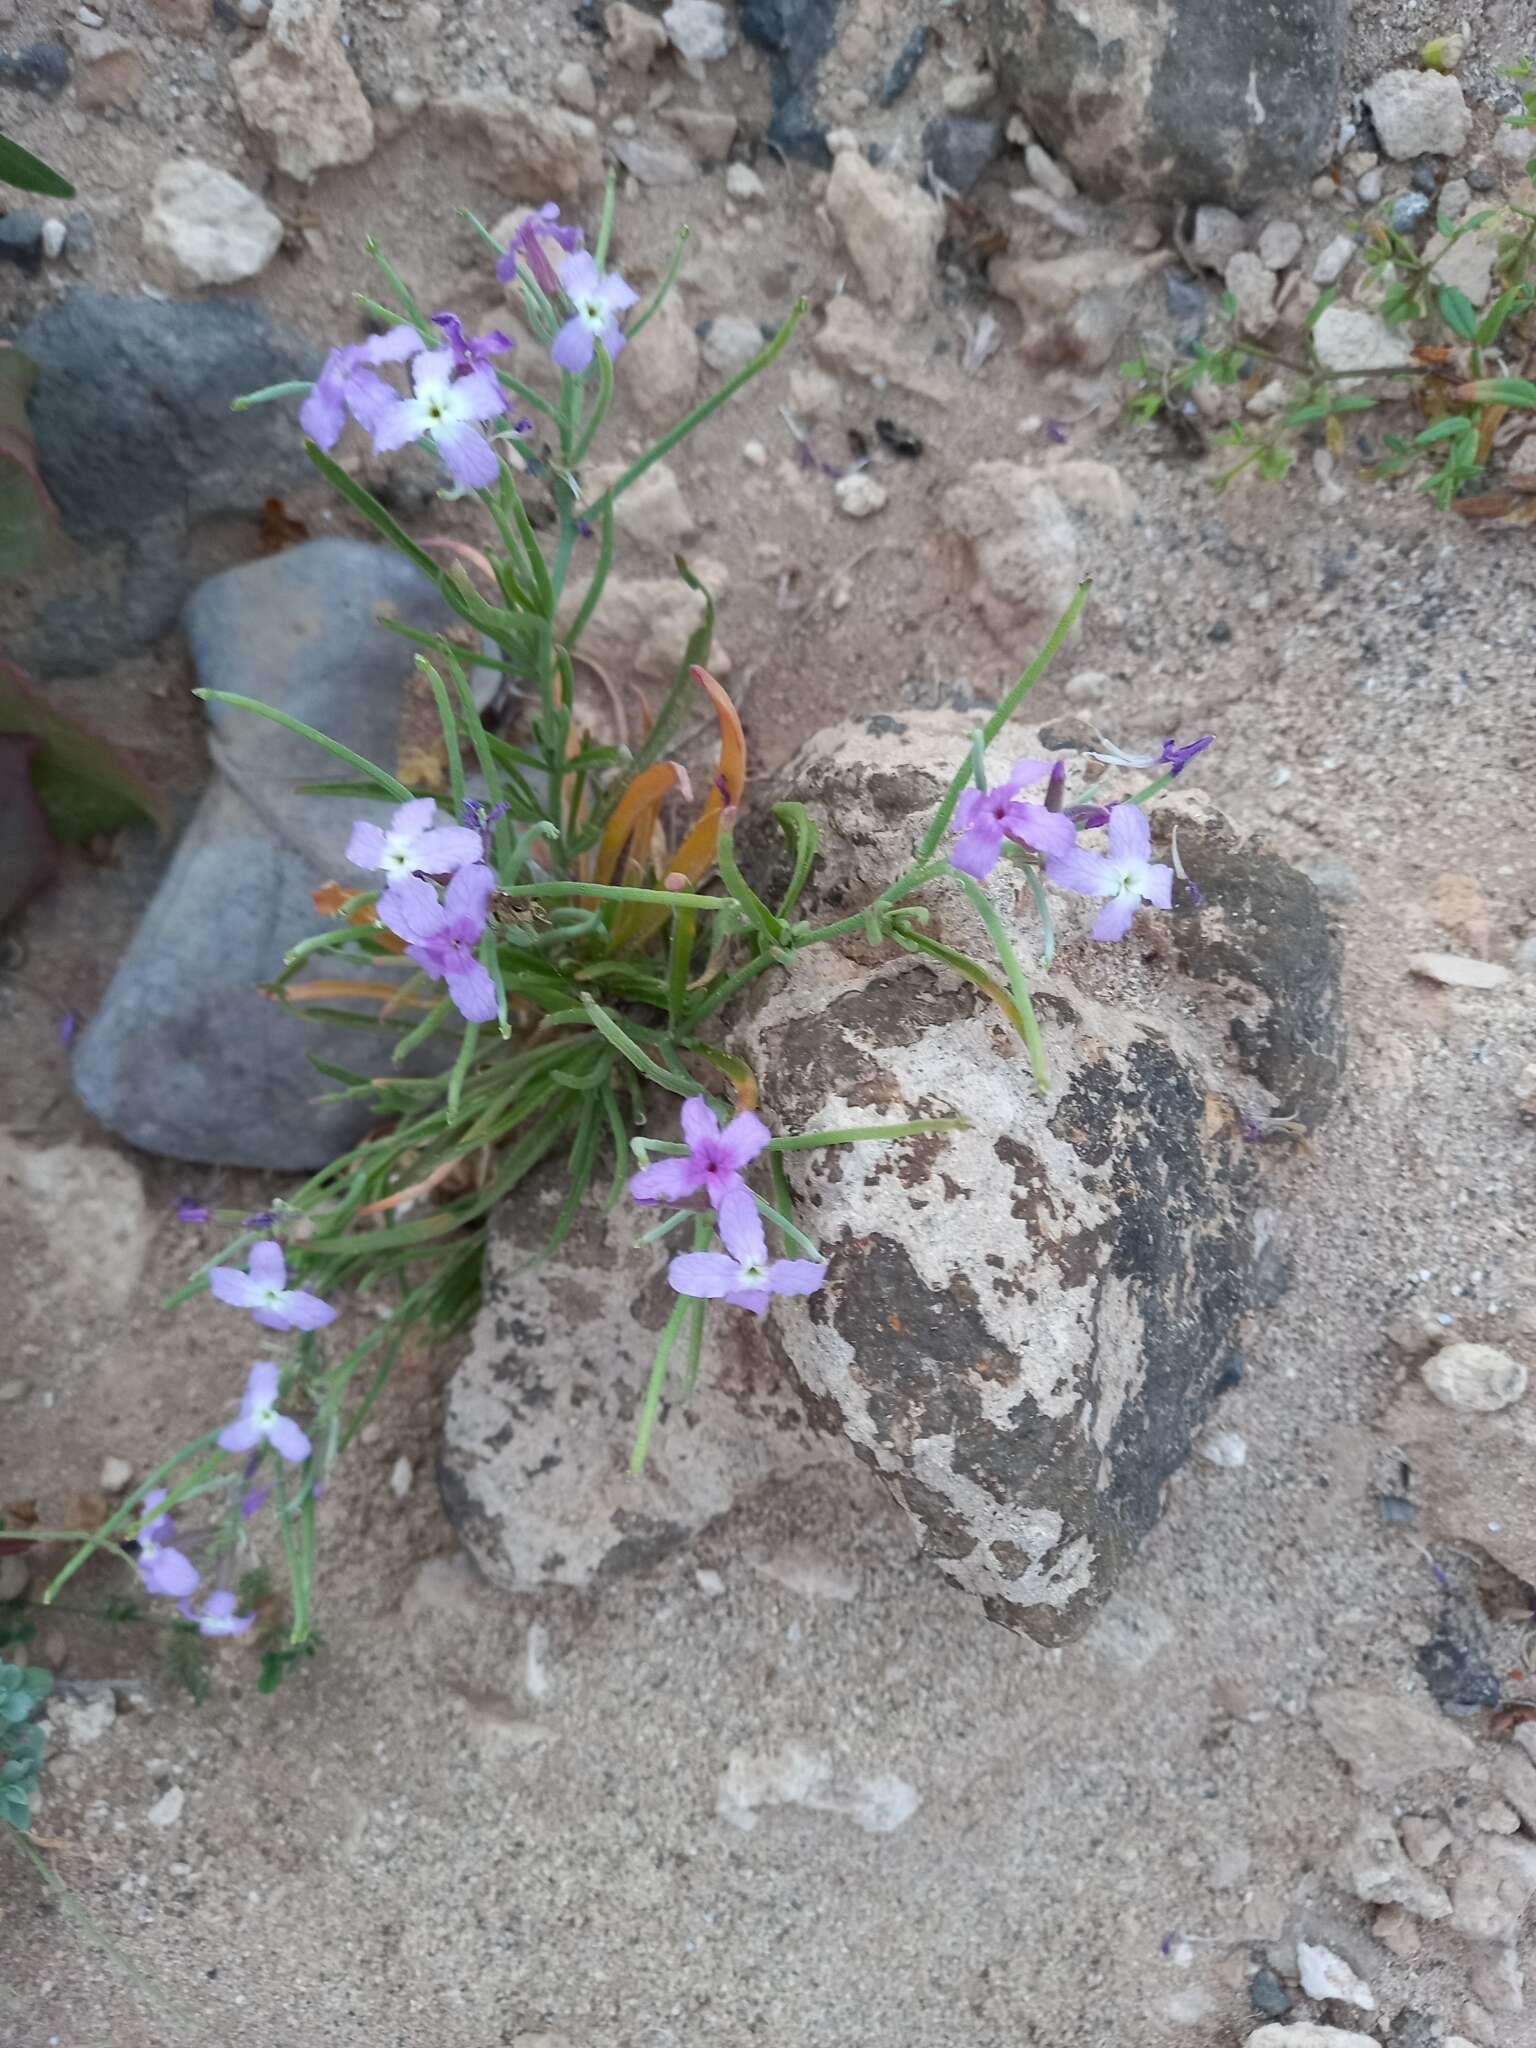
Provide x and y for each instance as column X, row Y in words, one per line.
column 481, row 818
column 264, row 1290
column 1125, row 876
column 1170, row 755
column 441, row 937
column 414, row 841
column 218, row 1617
column 252, row 1503
column 713, row 1161
column 163, row 1569
column 188, row 1211
column 984, row 818
column 472, row 352
column 1176, row 758
column 542, row 225
column 348, row 383
column 259, row 1421
column 69, row 1025
column 742, row 1273
column 596, row 304
column 451, row 408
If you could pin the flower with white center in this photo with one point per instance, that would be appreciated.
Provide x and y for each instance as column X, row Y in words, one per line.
column 259, row 1422
column 1125, row 876
column 264, row 1290
column 450, row 407
column 596, row 303
column 413, row 842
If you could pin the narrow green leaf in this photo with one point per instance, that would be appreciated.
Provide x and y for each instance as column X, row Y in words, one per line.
column 21, row 168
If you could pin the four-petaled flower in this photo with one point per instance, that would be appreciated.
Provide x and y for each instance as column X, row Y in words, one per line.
column 984, row 818
column 472, row 351
column 1125, row 875
column 713, row 1161
column 596, row 304
column 259, row 1421
column 1176, row 758
column 1170, row 754
column 441, row 937
column 218, row 1617
column 450, row 407
column 263, row 1290
column 163, row 1569
column 742, row 1274
column 542, row 225
column 414, row 841
column 347, row 383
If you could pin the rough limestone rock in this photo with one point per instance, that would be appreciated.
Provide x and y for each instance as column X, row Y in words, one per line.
column 661, row 365
column 538, row 152
column 1474, row 1474
column 892, row 228
column 1386, row 1740
column 1419, row 113
column 1025, row 1323
column 1075, row 307
column 541, row 1415
column 1206, row 100
column 205, row 227
column 184, row 1056
column 296, row 90
column 1022, row 541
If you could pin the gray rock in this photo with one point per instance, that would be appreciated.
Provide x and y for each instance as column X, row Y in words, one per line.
column 21, row 239
column 960, row 148
column 1409, row 211
column 184, row 1057
column 1374, row 1866
column 1268, row 1996
column 1419, row 113
column 1025, row 1322
column 1387, row 1741
column 541, row 1416
column 1216, row 235
column 1490, row 1892
column 138, row 447
column 1204, row 101
column 38, row 67
column 797, row 34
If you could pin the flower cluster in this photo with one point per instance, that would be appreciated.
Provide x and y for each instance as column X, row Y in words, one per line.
column 714, row 1165
column 988, row 821
column 457, row 395
column 262, row 1289
column 441, row 933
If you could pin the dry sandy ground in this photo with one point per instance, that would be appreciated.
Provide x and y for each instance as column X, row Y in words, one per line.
column 495, row 1821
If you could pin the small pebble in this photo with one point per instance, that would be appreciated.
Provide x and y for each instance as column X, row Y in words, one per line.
column 115, row 1474
column 1047, row 173
column 1325, row 1975
column 89, row 18
column 13, row 1390
column 1455, row 198
column 859, row 495
column 400, row 1477
column 1409, row 211
column 574, row 88
column 1018, row 132
column 742, row 182
column 1368, row 191
column 1224, row 1448
column 1478, row 1377
column 709, row 1583
column 1451, row 970
column 1333, row 260
column 166, row 1810
column 54, row 236
column 1268, row 1995
column 967, row 91
column 1279, row 245
column 755, row 453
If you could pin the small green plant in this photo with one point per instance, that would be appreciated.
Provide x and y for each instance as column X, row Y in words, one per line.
column 23, row 1688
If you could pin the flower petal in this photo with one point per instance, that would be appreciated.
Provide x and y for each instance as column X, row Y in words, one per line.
column 271, row 1319
column 740, row 1227
column 448, row 848
column 261, row 1387
column 409, row 908
column 239, row 1436
column 267, row 1266
column 742, row 1139
column 306, row 1311
column 1130, row 836
column 288, row 1440
column 1024, row 773
column 365, row 848
column 573, row 347
column 170, row 1573
column 966, row 806
column 479, row 396
column 396, row 345
column 323, row 415
column 578, row 274
column 796, row 1276
column 667, row 1180
column 474, row 994
column 707, row 1276
column 395, row 424
column 228, row 1283
column 369, row 398
column 414, row 817
column 1085, row 873
column 754, row 1300
column 975, row 852
column 1157, row 885
column 615, row 293
column 1114, row 920
column 700, row 1124
column 469, row 458
column 1049, row 832
column 469, row 894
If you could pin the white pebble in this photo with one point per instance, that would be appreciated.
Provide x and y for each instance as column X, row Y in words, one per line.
column 115, row 1474
column 709, row 1583
column 1047, row 173
column 859, row 495
column 1325, row 1975
column 1368, row 191
column 742, row 182
column 400, row 1477
column 1334, row 260
column 1224, row 1448
column 1479, row 1377
column 53, row 237
column 755, row 453
column 166, row 1810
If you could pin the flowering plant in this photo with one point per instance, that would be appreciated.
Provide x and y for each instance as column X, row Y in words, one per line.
column 566, row 954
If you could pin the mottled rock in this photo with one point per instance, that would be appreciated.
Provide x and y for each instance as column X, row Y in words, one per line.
column 1418, row 113
column 1354, row 343
column 892, row 230
column 1206, row 101
column 296, row 90
column 1023, row 544
column 541, row 1416
column 1475, row 1376
column 960, row 149
column 537, row 152
column 635, row 39
column 204, row 227
column 184, row 1057
column 1075, row 307
column 169, row 463
column 109, row 69
column 1387, row 1741
column 1025, row 1323
column 1495, row 1884
column 797, row 35
column 1376, row 1870
column 1279, row 244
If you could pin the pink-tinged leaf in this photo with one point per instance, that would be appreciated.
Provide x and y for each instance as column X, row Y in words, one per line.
column 84, row 784
column 28, row 854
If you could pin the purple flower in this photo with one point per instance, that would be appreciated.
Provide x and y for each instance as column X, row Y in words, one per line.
column 984, row 818
column 262, row 1290
column 472, row 352
column 163, row 1569
column 218, row 1617
column 713, row 1161
column 741, row 1274
column 1169, row 755
column 259, row 1421
column 1176, row 759
column 442, row 937
column 481, row 818
column 451, row 408
column 1125, row 876
column 413, row 840
column 253, row 1502
column 597, row 303
column 1088, row 817
column 540, row 226
column 347, row 383
column 188, row 1211
column 69, row 1024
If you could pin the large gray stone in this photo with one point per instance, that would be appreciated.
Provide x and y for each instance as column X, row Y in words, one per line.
column 1026, row 1323
column 1204, row 99
column 185, row 1057
column 138, row 448
column 541, row 1416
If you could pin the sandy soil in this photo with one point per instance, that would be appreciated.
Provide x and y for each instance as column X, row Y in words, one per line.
column 494, row 1821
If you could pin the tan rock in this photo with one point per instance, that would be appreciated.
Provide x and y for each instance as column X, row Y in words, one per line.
column 892, row 230
column 1478, row 1377
column 205, row 228
column 574, row 88
column 296, row 90
column 1452, row 970
column 1022, row 543
column 635, row 40
column 642, row 623
column 1460, row 905
column 1075, row 307
column 652, row 514
column 1387, row 1740
column 854, row 340
column 109, row 71
column 659, row 374
column 1474, row 1474
column 538, row 152
column 183, row 17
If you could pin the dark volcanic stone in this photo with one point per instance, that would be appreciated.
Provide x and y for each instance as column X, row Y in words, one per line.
column 797, row 34
column 39, row 67
column 21, row 239
column 960, row 148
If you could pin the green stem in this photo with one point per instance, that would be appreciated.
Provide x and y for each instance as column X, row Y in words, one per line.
column 125, row 1513
column 679, row 959
column 858, row 1134
column 1018, row 988
column 652, row 1403
column 389, row 783
column 677, row 1083
column 589, row 603
column 664, row 287
column 614, row 892
column 915, row 878
column 600, row 406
